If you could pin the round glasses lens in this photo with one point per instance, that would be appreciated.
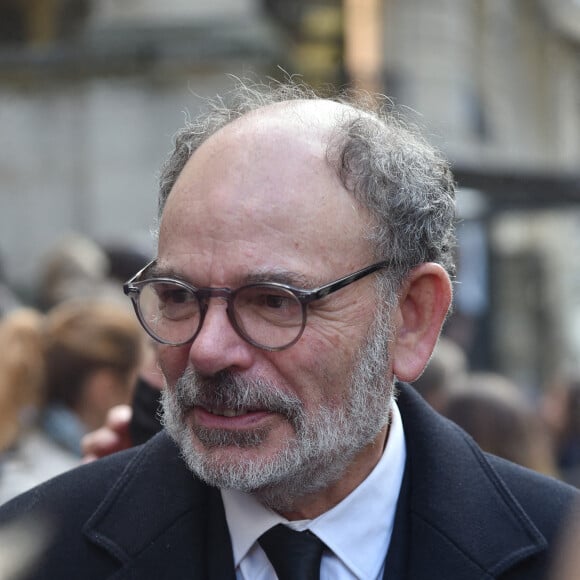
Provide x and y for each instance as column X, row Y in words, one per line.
column 270, row 316
column 169, row 311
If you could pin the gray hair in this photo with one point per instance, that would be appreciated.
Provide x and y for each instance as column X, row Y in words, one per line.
column 404, row 183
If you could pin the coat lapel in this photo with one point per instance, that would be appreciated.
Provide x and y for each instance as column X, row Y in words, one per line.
column 159, row 521
column 455, row 518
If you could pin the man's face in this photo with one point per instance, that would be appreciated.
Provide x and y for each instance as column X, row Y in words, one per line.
column 325, row 440
column 258, row 201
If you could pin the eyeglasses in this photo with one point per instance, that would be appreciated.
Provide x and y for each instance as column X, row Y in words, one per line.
column 269, row 316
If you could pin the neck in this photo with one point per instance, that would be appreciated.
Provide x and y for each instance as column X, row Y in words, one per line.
column 311, row 505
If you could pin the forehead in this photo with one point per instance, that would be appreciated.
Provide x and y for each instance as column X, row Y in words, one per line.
column 261, row 191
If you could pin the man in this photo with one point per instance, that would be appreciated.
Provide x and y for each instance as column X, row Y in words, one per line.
column 303, row 271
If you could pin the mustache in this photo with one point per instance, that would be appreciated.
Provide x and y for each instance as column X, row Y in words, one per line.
column 231, row 391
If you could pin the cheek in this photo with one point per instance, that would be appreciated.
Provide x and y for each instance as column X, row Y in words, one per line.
column 173, row 361
column 317, row 371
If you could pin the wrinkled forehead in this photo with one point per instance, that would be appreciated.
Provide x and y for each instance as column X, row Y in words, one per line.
column 296, row 128
column 276, row 155
column 264, row 183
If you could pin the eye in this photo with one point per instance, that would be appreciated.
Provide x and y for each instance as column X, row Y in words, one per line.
column 267, row 298
column 267, row 304
column 171, row 294
column 276, row 301
column 176, row 296
column 175, row 302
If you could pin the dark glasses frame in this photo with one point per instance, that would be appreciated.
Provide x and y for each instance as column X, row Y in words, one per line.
column 133, row 288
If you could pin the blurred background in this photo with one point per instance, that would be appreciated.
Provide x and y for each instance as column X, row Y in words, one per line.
column 91, row 92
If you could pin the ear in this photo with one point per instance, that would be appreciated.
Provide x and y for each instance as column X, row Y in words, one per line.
column 423, row 305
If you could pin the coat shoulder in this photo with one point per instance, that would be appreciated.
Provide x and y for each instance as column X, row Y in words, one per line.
column 89, row 521
column 80, row 489
column 547, row 501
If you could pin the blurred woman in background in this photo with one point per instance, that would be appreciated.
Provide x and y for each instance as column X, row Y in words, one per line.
column 59, row 375
column 503, row 421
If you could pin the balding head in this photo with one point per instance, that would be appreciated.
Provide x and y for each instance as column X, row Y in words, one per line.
column 403, row 183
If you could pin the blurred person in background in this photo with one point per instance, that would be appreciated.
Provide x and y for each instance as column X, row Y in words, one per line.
column 93, row 351
column 74, row 267
column 60, row 374
column 560, row 410
column 134, row 424
column 502, row 420
column 21, row 378
column 77, row 267
column 567, row 562
column 124, row 260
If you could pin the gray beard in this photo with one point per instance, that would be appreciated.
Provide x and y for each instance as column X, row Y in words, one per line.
column 326, row 441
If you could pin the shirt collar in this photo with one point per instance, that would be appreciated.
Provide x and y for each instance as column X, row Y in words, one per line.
column 359, row 541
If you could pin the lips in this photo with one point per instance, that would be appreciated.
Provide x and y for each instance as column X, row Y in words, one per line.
column 229, row 417
column 229, row 412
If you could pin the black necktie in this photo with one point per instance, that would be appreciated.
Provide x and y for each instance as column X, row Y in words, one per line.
column 294, row 555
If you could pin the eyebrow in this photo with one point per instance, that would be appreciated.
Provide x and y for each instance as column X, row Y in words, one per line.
column 279, row 276
column 156, row 271
column 265, row 275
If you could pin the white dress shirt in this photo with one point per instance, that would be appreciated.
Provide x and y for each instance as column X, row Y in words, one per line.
column 358, row 530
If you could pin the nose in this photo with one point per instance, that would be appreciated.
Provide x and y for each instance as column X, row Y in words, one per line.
column 218, row 347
